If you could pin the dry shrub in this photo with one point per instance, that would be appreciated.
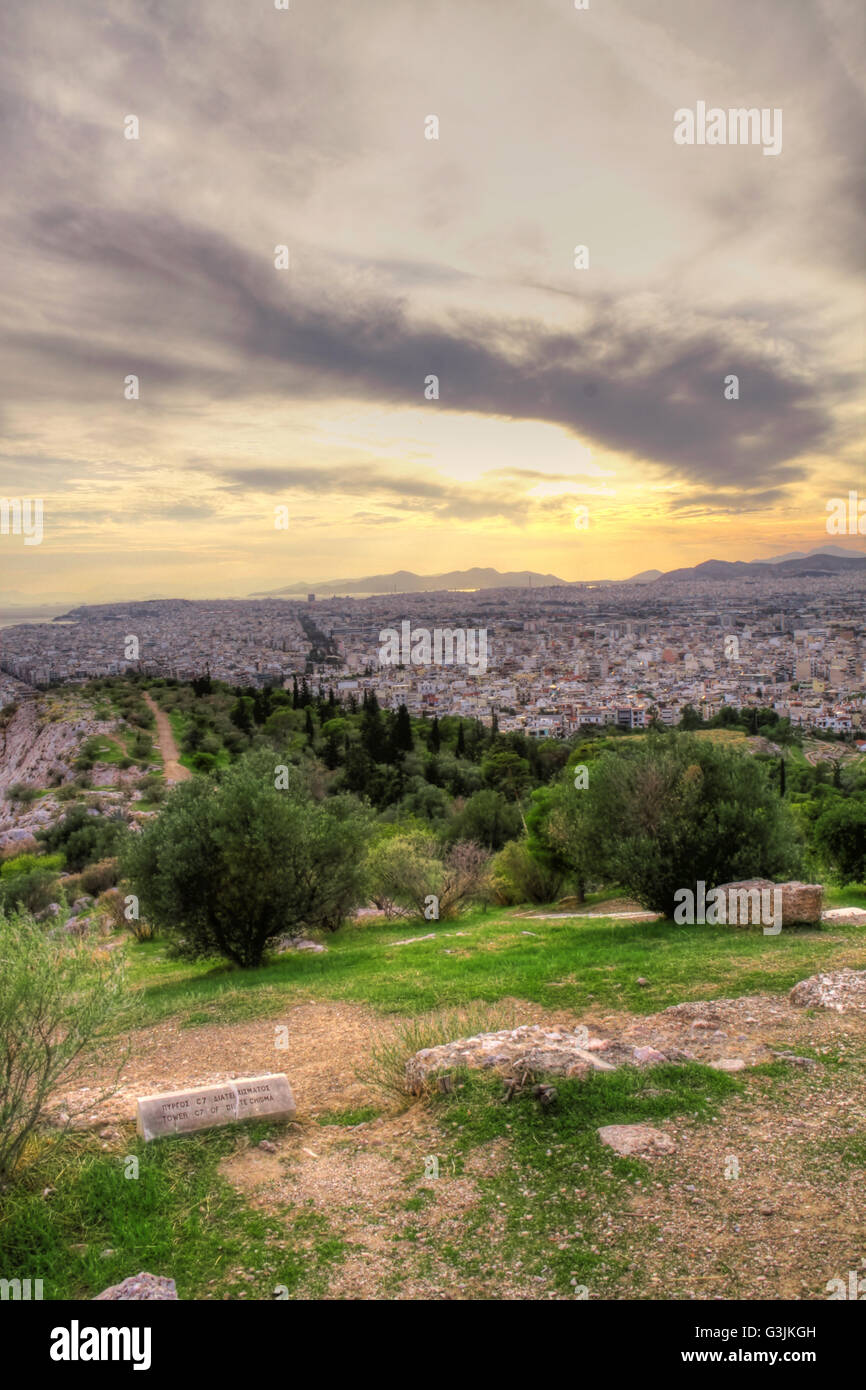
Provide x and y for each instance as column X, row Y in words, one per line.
column 386, row 1069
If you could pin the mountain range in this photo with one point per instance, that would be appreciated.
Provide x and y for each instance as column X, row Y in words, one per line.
column 825, row 560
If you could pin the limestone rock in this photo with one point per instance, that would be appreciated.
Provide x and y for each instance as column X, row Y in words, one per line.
column 634, row 1140
column 528, row 1050
column 846, row 916
column 293, row 943
column 141, row 1286
column 844, row 991
column 802, row 903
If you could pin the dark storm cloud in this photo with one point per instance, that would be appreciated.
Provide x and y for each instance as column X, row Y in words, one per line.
column 721, row 504
column 657, row 396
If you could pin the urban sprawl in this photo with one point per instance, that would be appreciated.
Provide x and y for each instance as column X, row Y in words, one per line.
column 557, row 658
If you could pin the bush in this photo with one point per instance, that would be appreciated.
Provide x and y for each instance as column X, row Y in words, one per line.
column 408, row 869
column 30, row 891
column 97, row 877
column 519, row 878
column 84, row 839
column 55, row 1003
column 230, row 865
column 20, row 794
column 675, row 809
column 488, row 819
column 840, row 837
column 386, row 1069
column 111, row 903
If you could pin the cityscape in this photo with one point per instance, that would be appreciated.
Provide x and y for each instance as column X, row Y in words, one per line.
column 557, row 658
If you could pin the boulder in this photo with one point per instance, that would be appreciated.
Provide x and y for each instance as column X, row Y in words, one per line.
column 530, row 1050
column 846, row 916
column 139, row 1286
column 802, row 903
column 636, row 1140
column 293, row 943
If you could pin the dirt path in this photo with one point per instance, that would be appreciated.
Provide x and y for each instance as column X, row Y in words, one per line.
column 791, row 1219
column 174, row 769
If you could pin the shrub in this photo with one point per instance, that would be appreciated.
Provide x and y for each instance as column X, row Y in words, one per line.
column 20, row 794
column 386, row 1070
column 674, row 809
column 30, row 891
column 111, row 903
column 97, row 877
column 407, row 869
column 55, row 1003
column 488, row 819
column 519, row 878
column 84, row 838
column 230, row 865
column 840, row 837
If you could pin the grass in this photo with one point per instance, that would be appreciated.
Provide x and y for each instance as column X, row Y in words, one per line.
column 550, row 1204
column 178, row 1217
column 567, row 963
column 542, row 1218
column 386, row 1070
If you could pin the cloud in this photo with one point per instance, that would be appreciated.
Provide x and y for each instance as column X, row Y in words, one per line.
column 239, row 329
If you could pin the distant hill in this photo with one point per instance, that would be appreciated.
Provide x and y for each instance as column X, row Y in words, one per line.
column 845, row 551
column 821, row 561
column 645, row 577
column 816, row 565
column 405, row 582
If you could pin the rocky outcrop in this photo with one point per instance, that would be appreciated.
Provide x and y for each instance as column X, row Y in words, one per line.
column 142, row 1287
column 40, row 752
column 844, row 991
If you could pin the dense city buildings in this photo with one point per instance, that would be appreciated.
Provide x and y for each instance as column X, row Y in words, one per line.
column 556, row 658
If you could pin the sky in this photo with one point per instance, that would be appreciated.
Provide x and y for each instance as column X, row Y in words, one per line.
column 283, row 429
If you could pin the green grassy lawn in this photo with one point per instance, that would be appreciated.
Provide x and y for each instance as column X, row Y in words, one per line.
column 554, row 1213
column 101, row 1219
column 568, row 963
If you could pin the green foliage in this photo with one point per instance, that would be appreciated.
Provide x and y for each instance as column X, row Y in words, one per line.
column 506, row 771
column 519, row 877
column 96, row 878
column 673, row 809
column 487, row 818
column 407, row 869
column 229, row 866
column 83, row 838
column 28, row 891
column 21, row 794
column 56, row 1001
column 840, row 836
